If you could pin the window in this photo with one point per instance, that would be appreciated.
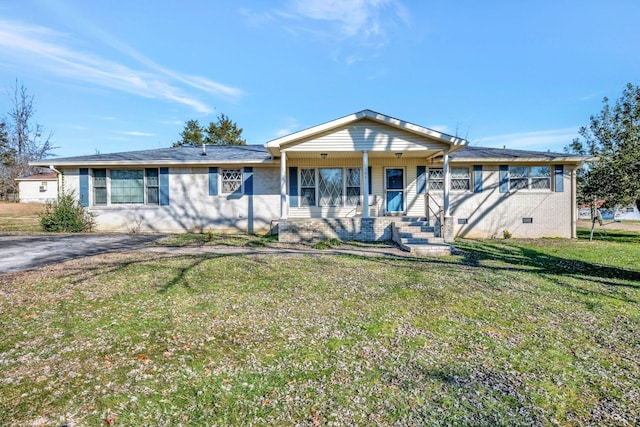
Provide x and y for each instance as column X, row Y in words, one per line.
column 436, row 179
column 127, row 186
column 540, row 177
column 231, row 180
column 153, row 195
column 330, row 187
column 308, row 187
column 529, row 177
column 99, row 186
column 353, row 186
column 460, row 179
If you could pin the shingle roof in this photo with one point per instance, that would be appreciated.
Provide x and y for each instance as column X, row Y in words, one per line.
column 181, row 154
column 470, row 153
column 252, row 154
column 39, row 177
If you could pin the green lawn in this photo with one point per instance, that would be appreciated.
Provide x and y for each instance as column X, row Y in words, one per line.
column 508, row 332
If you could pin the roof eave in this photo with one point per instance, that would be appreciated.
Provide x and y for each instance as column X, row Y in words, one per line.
column 202, row 162
column 496, row 160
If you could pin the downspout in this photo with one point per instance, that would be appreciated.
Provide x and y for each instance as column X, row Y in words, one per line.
column 60, row 180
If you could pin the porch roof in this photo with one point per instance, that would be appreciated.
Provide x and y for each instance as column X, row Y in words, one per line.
column 366, row 130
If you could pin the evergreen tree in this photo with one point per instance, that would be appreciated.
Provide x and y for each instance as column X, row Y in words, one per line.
column 224, row 132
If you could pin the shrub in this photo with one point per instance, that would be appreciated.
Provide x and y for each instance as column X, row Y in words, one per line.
column 67, row 215
column 506, row 234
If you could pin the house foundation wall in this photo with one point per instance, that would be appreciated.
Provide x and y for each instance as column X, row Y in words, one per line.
column 348, row 229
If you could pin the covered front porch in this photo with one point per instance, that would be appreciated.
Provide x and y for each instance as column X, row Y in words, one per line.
column 362, row 167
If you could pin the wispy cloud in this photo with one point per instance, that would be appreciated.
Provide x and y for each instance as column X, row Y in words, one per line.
column 352, row 23
column 136, row 133
column 36, row 46
column 551, row 139
column 291, row 125
column 362, row 19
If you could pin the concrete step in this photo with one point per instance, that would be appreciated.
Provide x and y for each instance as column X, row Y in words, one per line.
column 421, row 240
column 416, row 229
column 431, row 250
column 417, row 235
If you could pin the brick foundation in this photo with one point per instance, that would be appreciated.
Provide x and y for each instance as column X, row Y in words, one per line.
column 294, row 230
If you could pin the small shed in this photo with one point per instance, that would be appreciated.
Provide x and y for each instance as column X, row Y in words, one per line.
column 38, row 188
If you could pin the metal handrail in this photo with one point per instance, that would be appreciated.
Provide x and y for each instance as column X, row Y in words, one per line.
column 439, row 214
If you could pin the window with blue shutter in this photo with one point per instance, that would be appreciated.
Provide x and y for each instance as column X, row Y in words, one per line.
column 559, row 178
column 213, row 181
column 477, row 178
column 422, row 179
column 504, row 178
column 293, row 186
column 164, row 186
column 84, row 186
column 248, row 181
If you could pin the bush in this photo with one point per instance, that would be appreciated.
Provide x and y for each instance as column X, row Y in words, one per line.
column 66, row 216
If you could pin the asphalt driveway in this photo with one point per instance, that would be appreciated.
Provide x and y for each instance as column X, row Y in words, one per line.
column 24, row 252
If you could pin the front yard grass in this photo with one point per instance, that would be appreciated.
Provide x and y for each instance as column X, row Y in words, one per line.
column 507, row 332
column 20, row 217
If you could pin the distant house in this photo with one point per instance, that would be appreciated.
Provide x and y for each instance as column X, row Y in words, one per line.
column 38, row 188
column 355, row 177
column 628, row 213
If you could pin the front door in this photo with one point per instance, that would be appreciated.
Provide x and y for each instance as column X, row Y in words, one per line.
column 395, row 190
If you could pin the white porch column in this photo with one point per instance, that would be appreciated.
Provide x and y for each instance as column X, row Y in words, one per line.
column 283, row 185
column 365, row 184
column 447, row 183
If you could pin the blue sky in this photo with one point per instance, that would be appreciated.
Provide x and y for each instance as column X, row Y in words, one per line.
column 125, row 75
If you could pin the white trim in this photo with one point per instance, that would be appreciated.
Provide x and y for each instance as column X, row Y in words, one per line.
column 404, row 188
column 283, row 186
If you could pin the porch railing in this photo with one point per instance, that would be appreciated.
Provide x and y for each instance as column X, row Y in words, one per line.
column 432, row 207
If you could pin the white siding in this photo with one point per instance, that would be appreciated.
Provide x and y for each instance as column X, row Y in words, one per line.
column 30, row 191
column 366, row 135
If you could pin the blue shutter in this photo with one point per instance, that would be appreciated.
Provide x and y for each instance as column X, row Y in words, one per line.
column 164, row 186
column 213, row 181
column 504, row 178
column 370, row 181
column 477, row 178
column 84, row 186
column 422, row 179
column 248, row 181
column 293, row 187
column 559, row 178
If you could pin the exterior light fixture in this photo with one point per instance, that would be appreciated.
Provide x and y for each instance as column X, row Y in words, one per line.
column 323, row 155
column 398, row 155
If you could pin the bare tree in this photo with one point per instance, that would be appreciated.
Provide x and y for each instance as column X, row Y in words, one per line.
column 22, row 140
